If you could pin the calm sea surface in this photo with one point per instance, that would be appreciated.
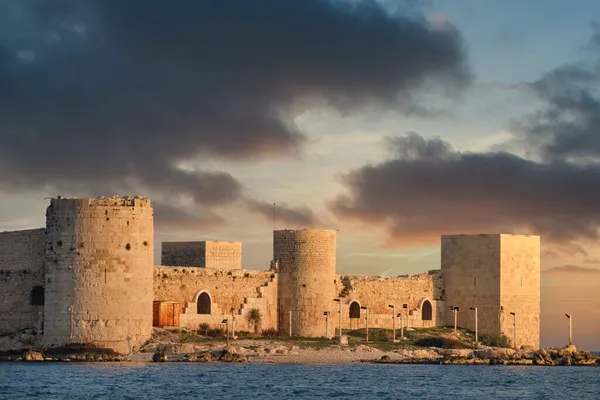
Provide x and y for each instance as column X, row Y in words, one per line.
column 253, row 381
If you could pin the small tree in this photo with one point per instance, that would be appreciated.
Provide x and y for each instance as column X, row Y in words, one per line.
column 203, row 328
column 255, row 319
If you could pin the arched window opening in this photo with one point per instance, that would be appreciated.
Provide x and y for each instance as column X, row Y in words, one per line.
column 426, row 311
column 354, row 310
column 37, row 296
column 204, row 303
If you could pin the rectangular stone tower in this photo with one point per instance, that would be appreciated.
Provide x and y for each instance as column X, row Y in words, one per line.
column 499, row 274
column 207, row 254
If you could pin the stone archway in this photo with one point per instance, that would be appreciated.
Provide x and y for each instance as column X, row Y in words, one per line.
column 204, row 303
column 354, row 310
column 426, row 311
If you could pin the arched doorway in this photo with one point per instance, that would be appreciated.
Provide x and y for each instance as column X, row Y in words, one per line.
column 37, row 296
column 354, row 310
column 426, row 311
column 204, row 303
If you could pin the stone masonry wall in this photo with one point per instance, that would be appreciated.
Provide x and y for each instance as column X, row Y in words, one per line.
column 520, row 287
column 21, row 269
column 498, row 274
column 306, row 261
column 241, row 290
column 188, row 254
column 209, row 254
column 377, row 293
column 471, row 271
column 99, row 272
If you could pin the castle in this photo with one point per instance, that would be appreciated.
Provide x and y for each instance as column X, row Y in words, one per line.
column 89, row 277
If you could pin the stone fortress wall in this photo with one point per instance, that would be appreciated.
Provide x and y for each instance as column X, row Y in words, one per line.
column 498, row 274
column 207, row 254
column 422, row 293
column 240, row 290
column 93, row 266
column 520, row 287
column 99, row 271
column 21, row 288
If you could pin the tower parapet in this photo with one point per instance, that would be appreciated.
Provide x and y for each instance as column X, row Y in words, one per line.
column 99, row 272
column 306, row 264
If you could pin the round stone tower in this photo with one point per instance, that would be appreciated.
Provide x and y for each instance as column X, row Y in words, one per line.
column 306, row 262
column 99, row 271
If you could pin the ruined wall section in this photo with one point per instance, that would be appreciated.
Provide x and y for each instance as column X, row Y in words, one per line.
column 185, row 254
column 99, row 264
column 21, row 270
column 241, row 290
column 520, row 287
column 471, row 272
column 377, row 293
column 208, row 254
column 306, row 278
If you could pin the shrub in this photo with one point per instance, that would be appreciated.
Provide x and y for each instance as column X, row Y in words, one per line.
column 494, row 340
column 443, row 343
column 203, row 328
column 255, row 319
column 270, row 332
column 215, row 332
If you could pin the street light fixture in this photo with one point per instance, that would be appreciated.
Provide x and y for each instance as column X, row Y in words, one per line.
column 514, row 329
column 476, row 330
column 366, row 322
column 326, row 314
column 456, row 310
column 232, row 323
column 393, row 307
column 339, row 301
column 570, row 329
column 226, row 322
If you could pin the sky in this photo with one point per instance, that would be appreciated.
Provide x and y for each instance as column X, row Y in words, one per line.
column 392, row 121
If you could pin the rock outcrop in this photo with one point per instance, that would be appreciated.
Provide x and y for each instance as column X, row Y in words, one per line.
column 548, row 357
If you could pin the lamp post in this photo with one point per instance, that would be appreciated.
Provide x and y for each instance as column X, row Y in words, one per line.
column 570, row 329
column 455, row 309
column 70, row 324
column 476, row 330
column 405, row 306
column 339, row 301
column 399, row 315
column 514, row 329
column 226, row 322
column 326, row 314
column 366, row 322
column 232, row 323
column 290, row 323
column 393, row 307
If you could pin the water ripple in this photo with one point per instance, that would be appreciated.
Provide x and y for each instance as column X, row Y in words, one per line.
column 271, row 381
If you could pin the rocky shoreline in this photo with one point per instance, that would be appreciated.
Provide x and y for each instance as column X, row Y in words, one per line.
column 568, row 356
column 274, row 352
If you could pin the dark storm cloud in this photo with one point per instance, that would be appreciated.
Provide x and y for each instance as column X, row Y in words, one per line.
column 428, row 189
column 117, row 93
column 567, row 127
column 282, row 213
column 168, row 217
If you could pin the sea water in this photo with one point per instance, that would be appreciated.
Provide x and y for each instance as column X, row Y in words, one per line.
column 47, row 380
